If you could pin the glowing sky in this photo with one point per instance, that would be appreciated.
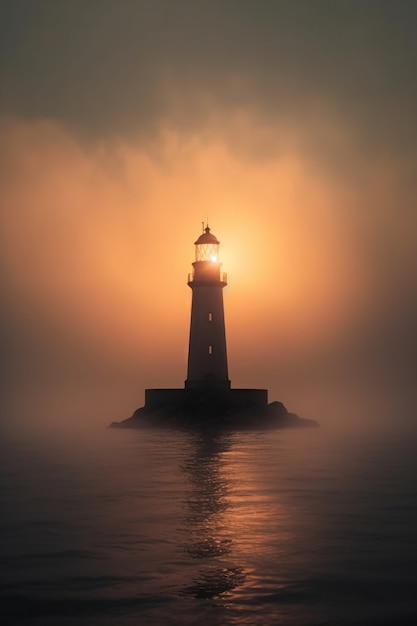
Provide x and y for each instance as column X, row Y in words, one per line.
column 291, row 125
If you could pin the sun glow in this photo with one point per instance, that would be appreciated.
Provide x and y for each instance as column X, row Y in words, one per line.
column 292, row 275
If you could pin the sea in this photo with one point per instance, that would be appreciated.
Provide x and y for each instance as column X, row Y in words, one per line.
column 305, row 527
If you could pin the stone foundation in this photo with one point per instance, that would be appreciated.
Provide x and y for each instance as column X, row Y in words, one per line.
column 231, row 399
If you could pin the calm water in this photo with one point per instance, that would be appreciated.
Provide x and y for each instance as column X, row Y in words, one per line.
column 129, row 528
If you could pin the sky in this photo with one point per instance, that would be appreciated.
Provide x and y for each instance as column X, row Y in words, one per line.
column 290, row 125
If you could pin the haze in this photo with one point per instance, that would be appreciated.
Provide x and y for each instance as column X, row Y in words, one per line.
column 290, row 126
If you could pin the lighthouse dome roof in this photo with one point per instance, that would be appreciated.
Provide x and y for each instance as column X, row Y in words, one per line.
column 206, row 237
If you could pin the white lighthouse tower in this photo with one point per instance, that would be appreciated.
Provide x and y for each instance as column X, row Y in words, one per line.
column 207, row 354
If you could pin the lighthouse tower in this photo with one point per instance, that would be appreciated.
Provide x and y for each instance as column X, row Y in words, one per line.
column 207, row 355
column 207, row 399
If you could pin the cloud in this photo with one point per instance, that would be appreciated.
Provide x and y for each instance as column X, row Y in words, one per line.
column 125, row 68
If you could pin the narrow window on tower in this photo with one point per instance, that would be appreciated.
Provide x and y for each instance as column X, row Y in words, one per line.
column 210, row 317
column 210, row 349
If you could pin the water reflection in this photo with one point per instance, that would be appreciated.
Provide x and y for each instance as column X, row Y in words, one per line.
column 208, row 536
column 215, row 582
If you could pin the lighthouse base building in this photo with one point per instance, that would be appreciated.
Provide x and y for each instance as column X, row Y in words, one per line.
column 207, row 399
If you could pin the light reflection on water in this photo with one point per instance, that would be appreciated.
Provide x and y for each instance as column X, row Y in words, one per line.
column 229, row 528
column 233, row 527
column 207, row 529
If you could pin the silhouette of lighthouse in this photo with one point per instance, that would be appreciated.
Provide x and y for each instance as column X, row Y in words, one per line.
column 207, row 399
column 207, row 353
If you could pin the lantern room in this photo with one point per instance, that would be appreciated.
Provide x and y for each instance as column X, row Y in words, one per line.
column 207, row 247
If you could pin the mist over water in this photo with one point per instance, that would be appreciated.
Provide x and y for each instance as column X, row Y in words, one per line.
column 299, row 527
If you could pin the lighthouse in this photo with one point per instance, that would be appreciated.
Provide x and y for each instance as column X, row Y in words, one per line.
column 207, row 400
column 207, row 353
column 207, row 391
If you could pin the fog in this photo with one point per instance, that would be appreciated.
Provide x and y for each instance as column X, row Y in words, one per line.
column 290, row 127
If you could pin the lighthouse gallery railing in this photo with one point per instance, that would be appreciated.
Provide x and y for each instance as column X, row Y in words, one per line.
column 223, row 277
